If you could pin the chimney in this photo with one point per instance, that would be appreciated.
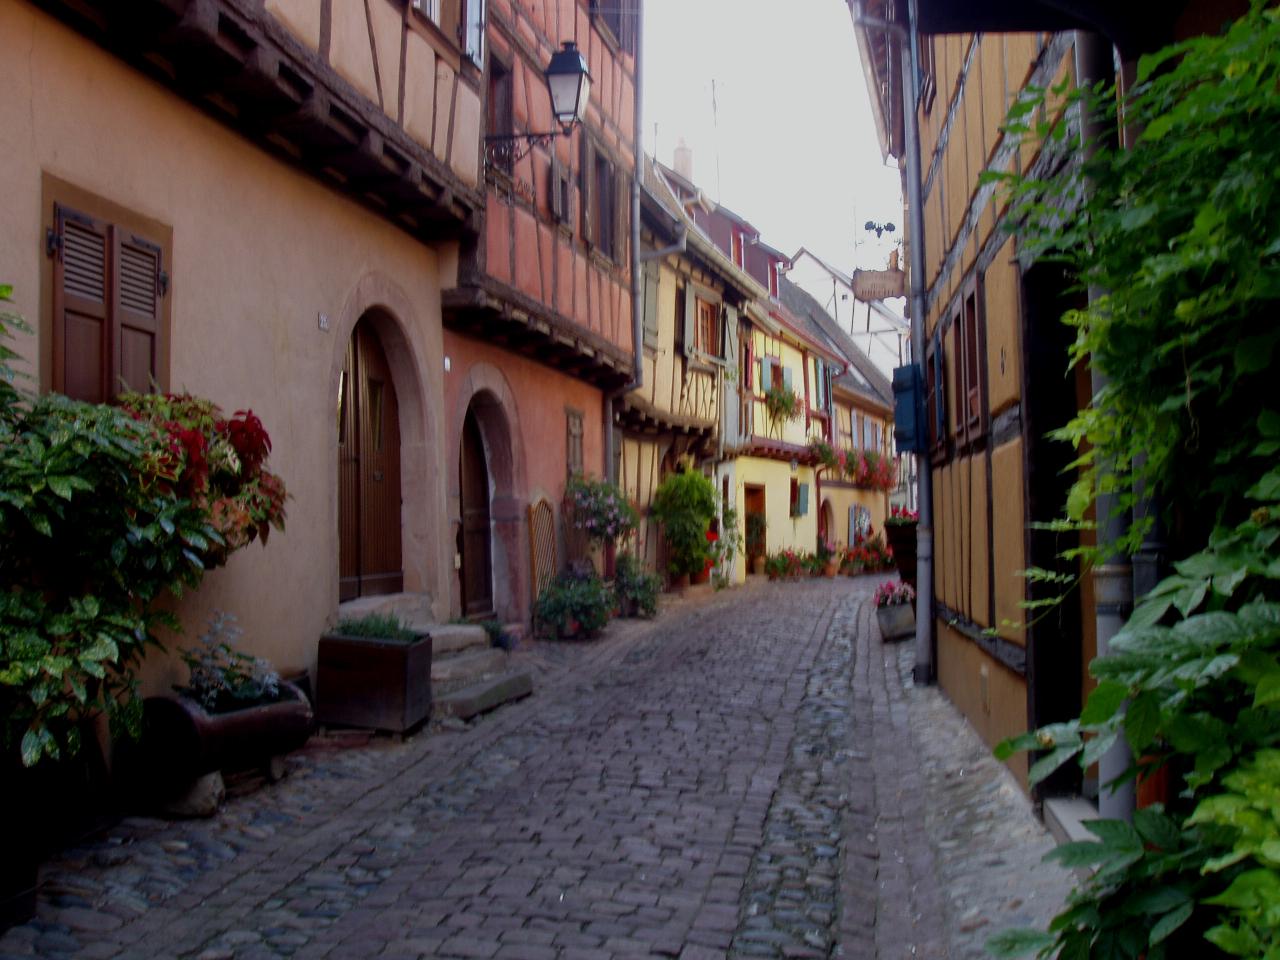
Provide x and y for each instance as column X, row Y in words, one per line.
column 683, row 161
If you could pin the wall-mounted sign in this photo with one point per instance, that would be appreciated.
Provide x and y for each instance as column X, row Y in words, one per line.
column 879, row 284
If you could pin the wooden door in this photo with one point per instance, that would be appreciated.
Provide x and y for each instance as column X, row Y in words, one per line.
column 477, row 577
column 369, row 558
column 754, row 507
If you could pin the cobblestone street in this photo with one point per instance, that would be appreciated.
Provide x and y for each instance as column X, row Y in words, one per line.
column 751, row 775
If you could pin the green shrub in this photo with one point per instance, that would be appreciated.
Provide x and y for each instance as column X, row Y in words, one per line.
column 584, row 601
column 636, row 587
column 685, row 505
column 104, row 510
column 224, row 678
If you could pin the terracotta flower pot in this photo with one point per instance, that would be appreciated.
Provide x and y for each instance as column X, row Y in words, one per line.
column 757, row 565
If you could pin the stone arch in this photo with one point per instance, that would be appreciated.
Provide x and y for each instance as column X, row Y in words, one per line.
column 394, row 319
column 486, row 393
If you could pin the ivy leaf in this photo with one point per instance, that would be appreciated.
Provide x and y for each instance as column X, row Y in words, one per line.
column 1018, row 943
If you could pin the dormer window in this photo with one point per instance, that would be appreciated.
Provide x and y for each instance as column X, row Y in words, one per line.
column 739, row 257
column 773, row 279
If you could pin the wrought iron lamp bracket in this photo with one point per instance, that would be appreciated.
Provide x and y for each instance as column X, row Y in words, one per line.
column 504, row 150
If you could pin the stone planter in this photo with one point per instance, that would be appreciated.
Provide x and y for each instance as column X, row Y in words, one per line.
column 181, row 741
column 372, row 682
column 901, row 538
column 897, row 621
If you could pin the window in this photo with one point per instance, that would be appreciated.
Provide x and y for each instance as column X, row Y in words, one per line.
column 110, row 304
column 602, row 208
column 936, row 393
column 737, row 247
column 709, row 328
column 462, row 21
column 799, row 498
column 499, row 119
column 473, row 31
column 846, row 422
column 972, row 409
column 619, row 17
column 573, row 444
column 652, row 275
column 773, row 280
column 560, row 184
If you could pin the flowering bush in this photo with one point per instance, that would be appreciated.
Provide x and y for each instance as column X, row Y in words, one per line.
column 573, row 603
column 893, row 593
column 870, row 555
column 901, row 517
column 782, row 404
column 215, row 462
column 600, row 509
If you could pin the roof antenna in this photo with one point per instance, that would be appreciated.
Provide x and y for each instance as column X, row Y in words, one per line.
column 715, row 126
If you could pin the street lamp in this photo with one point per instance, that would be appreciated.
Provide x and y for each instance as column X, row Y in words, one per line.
column 569, row 84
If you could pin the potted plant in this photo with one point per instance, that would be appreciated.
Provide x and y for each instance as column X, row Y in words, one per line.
column 636, row 588
column 900, row 531
column 234, row 713
column 601, row 511
column 895, row 609
column 685, row 505
column 757, row 528
column 573, row 604
column 374, row 672
column 829, row 556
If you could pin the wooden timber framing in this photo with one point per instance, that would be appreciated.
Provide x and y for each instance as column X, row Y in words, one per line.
column 236, row 62
column 491, row 310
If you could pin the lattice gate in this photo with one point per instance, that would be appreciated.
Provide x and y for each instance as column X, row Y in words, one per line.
column 542, row 546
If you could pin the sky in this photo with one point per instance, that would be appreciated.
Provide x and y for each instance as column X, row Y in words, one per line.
column 790, row 145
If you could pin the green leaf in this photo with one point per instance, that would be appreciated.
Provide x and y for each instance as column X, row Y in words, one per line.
column 1170, row 922
column 1018, row 943
column 1157, row 829
column 1046, row 765
column 1142, row 721
column 1104, row 702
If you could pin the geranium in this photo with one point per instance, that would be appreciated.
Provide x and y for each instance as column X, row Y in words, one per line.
column 901, row 516
column 892, row 593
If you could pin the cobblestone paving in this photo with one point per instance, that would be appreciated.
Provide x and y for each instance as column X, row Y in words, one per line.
column 749, row 776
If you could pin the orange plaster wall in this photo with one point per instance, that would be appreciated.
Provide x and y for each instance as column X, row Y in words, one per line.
column 542, row 396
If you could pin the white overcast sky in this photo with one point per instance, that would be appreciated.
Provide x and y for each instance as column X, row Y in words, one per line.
column 791, row 146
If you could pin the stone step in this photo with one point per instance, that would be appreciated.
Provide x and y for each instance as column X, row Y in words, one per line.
column 406, row 606
column 470, row 664
column 484, row 695
column 447, row 638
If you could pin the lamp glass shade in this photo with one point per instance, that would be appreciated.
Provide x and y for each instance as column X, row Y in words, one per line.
column 569, row 84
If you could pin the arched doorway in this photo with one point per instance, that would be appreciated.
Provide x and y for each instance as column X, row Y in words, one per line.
column 826, row 523
column 369, row 552
column 475, row 534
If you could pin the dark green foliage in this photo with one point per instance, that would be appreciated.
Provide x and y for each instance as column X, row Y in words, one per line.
column 1181, row 231
column 574, row 604
column 377, row 626
column 637, row 589
column 685, row 505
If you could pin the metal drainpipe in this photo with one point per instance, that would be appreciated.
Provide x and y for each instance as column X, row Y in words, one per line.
column 1113, row 581
column 637, row 319
column 924, row 667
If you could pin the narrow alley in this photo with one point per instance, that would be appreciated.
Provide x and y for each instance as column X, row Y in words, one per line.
column 750, row 775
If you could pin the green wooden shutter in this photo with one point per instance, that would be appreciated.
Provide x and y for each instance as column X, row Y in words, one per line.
column 690, row 320
column 652, row 278
column 786, row 377
column 802, row 501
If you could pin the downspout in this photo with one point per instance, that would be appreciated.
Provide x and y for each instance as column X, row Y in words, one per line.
column 637, row 319
column 1113, row 580
column 924, row 672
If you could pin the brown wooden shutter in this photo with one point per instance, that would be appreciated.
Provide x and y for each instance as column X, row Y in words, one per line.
column 136, row 326
column 81, row 307
column 690, row 320
column 555, row 198
column 586, row 171
column 621, row 217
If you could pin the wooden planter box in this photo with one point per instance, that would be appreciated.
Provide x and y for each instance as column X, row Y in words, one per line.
column 897, row 622
column 181, row 741
column 368, row 682
column 901, row 537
